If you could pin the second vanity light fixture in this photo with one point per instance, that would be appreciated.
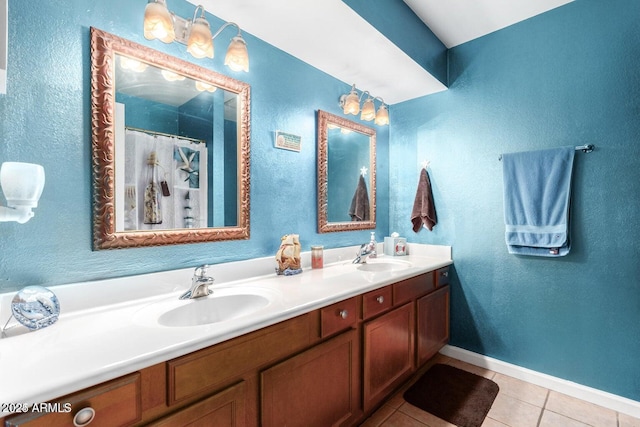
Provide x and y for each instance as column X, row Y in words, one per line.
column 162, row 24
column 350, row 104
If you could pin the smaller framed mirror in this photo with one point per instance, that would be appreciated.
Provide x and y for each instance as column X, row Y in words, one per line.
column 346, row 174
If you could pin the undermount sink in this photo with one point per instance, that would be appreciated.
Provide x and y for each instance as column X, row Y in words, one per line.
column 377, row 265
column 223, row 305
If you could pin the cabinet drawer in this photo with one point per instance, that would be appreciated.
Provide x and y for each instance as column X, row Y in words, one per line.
column 412, row 288
column 116, row 403
column 375, row 302
column 338, row 317
column 212, row 368
column 442, row 277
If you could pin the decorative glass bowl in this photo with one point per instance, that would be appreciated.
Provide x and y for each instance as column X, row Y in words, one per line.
column 35, row 307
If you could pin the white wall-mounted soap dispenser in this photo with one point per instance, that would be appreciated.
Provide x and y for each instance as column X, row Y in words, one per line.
column 22, row 185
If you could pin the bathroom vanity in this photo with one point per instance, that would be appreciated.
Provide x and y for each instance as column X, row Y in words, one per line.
column 334, row 345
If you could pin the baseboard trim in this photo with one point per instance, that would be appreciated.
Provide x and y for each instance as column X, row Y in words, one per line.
column 598, row 397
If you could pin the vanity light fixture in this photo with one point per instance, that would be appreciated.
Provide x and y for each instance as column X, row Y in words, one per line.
column 350, row 104
column 162, row 24
column 22, row 185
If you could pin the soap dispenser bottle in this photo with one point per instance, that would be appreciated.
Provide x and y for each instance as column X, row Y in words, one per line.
column 373, row 245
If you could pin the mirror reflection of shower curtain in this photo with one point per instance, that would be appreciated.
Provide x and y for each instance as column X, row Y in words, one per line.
column 185, row 178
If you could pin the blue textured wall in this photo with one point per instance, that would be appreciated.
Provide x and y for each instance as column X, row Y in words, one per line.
column 45, row 118
column 569, row 76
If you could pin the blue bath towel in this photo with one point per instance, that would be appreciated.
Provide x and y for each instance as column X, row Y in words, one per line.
column 537, row 195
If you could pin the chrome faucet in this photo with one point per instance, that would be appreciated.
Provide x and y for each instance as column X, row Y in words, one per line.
column 199, row 284
column 366, row 250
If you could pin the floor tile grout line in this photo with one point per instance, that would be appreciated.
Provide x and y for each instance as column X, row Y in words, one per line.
column 544, row 407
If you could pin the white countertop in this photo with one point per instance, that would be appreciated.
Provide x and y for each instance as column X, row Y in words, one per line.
column 102, row 334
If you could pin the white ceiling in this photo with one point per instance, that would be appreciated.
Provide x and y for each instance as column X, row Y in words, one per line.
column 330, row 36
column 458, row 21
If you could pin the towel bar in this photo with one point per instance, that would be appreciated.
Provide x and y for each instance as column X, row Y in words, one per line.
column 586, row 148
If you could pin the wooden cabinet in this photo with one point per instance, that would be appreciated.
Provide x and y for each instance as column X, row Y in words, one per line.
column 412, row 288
column 115, row 403
column 442, row 277
column 205, row 371
column 388, row 353
column 376, row 302
column 432, row 324
column 319, row 387
column 338, row 317
column 328, row 367
column 223, row 409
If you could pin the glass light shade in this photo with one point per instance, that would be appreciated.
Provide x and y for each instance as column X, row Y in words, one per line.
column 201, row 86
column 237, row 57
column 351, row 103
column 22, row 183
column 368, row 110
column 382, row 117
column 158, row 23
column 200, row 43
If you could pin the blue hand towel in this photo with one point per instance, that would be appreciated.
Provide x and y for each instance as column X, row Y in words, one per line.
column 537, row 194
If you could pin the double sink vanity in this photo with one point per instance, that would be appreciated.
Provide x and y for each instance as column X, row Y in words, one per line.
column 324, row 347
column 321, row 348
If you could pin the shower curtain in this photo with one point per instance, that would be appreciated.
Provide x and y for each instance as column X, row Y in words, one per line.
column 182, row 170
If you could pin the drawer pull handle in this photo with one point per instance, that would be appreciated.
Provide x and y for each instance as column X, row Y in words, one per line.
column 445, row 274
column 343, row 314
column 380, row 299
column 84, row 417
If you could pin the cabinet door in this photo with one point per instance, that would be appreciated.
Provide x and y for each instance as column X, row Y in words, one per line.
column 388, row 353
column 224, row 409
column 318, row 387
column 433, row 324
column 114, row 403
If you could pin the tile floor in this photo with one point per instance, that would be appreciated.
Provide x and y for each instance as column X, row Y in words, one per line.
column 518, row 404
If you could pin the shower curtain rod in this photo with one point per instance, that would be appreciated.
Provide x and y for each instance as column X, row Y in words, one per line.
column 155, row 133
column 586, row 148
